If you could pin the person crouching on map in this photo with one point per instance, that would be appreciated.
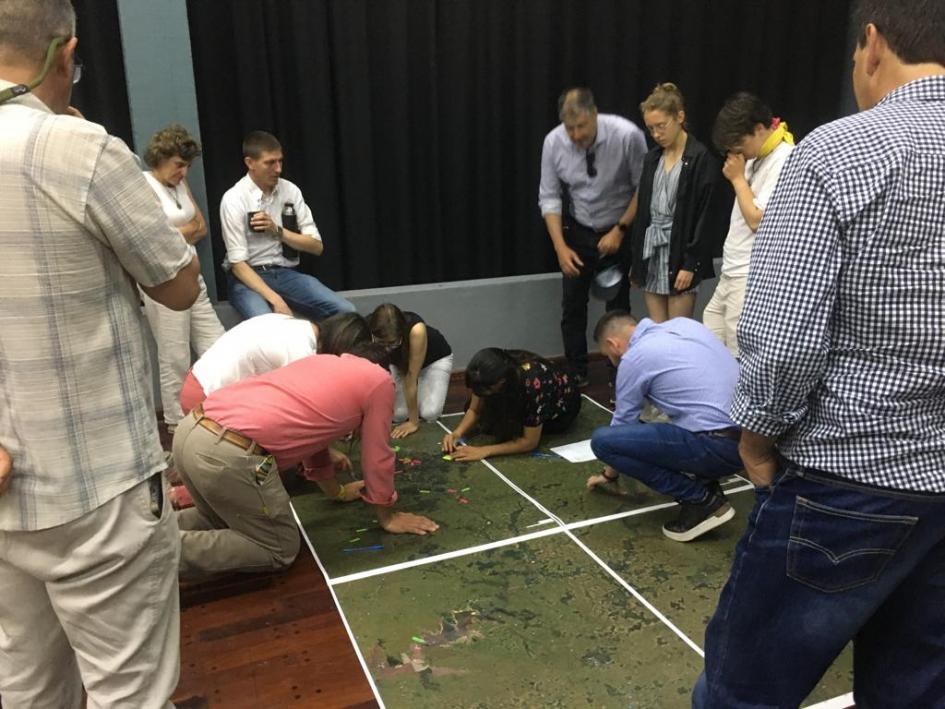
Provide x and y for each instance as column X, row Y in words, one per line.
column 229, row 449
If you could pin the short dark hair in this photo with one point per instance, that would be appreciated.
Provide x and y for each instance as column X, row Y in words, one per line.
column 610, row 320
column 737, row 118
column 575, row 101
column 27, row 28
column 914, row 29
column 169, row 142
column 259, row 142
column 341, row 333
column 372, row 352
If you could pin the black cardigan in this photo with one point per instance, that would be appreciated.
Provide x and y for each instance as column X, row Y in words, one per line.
column 703, row 205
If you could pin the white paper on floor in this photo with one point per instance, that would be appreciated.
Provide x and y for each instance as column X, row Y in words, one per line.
column 579, row 452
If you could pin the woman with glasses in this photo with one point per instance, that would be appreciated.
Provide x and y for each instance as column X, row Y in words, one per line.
column 169, row 154
column 516, row 396
column 681, row 219
column 421, row 364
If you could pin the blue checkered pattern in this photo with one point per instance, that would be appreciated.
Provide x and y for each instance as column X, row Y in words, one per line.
column 843, row 332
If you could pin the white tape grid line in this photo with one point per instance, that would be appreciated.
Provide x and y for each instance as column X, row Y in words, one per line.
column 559, row 528
column 841, row 702
column 344, row 619
column 844, row 701
column 600, row 562
column 455, row 554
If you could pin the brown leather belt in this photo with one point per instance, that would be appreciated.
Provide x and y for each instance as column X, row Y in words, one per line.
column 237, row 439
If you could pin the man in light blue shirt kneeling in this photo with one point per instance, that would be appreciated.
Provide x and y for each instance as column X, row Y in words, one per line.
column 685, row 371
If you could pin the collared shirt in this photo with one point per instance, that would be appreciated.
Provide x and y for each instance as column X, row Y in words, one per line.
column 762, row 175
column 683, row 369
column 255, row 346
column 842, row 339
column 596, row 202
column 255, row 247
column 79, row 222
column 295, row 413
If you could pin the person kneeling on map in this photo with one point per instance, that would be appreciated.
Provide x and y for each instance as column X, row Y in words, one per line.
column 686, row 372
column 229, row 448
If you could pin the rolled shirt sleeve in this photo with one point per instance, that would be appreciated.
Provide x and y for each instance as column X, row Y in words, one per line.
column 306, row 220
column 549, row 189
column 318, row 466
column 377, row 457
column 121, row 211
column 232, row 214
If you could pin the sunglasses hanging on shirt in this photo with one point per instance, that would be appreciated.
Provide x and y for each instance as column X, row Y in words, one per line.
column 589, row 157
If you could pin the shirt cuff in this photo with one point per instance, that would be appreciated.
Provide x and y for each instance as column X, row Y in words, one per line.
column 318, row 466
column 550, row 206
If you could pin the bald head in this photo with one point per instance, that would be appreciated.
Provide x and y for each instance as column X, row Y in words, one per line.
column 28, row 26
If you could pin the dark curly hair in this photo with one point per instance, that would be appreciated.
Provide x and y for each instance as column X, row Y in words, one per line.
column 170, row 142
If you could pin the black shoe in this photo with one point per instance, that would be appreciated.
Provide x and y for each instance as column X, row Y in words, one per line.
column 580, row 380
column 697, row 518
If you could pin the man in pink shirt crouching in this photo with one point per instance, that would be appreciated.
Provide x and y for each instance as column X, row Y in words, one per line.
column 229, row 449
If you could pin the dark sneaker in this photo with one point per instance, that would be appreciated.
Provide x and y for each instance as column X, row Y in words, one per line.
column 697, row 518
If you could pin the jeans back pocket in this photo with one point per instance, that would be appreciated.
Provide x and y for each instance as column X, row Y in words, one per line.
column 835, row 550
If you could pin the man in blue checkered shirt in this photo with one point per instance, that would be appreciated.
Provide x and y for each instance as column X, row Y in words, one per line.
column 842, row 397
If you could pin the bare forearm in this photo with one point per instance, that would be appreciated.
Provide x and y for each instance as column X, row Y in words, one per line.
column 249, row 278
column 303, row 242
column 746, row 204
column 411, row 391
column 518, row 445
column 553, row 225
column 469, row 420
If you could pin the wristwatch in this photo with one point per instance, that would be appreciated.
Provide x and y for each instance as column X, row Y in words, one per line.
column 624, row 228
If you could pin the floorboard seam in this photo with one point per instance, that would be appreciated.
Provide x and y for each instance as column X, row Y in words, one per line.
column 344, row 618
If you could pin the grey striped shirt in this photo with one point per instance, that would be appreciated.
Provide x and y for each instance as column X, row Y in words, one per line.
column 78, row 223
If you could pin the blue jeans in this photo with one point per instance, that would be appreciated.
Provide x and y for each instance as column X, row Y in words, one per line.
column 823, row 561
column 660, row 454
column 305, row 294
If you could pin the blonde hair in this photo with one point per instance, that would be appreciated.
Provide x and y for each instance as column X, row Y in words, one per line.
column 665, row 97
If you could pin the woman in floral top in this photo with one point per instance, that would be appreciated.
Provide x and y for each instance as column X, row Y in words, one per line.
column 516, row 395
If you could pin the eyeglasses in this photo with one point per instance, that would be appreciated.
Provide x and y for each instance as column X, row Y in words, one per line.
column 658, row 127
column 589, row 158
column 77, row 67
column 389, row 346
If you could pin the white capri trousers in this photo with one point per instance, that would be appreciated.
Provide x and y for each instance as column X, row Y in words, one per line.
column 432, row 386
column 175, row 332
column 723, row 311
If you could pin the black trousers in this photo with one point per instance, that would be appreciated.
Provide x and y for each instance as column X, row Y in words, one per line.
column 575, row 291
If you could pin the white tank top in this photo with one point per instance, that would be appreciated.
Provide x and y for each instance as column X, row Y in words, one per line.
column 176, row 215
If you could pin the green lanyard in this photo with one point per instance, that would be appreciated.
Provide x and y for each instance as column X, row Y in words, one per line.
column 21, row 89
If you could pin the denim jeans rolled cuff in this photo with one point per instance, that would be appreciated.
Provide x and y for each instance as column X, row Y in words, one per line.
column 304, row 294
column 826, row 560
column 666, row 457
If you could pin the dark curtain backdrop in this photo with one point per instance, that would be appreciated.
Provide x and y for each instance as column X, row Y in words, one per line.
column 102, row 95
column 414, row 127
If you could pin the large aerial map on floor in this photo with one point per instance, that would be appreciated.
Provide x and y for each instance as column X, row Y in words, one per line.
column 535, row 592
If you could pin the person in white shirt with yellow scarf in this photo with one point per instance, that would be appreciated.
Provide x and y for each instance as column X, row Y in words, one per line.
column 756, row 145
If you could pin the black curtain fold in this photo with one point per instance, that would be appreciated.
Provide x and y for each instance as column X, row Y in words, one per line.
column 102, row 94
column 414, row 127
